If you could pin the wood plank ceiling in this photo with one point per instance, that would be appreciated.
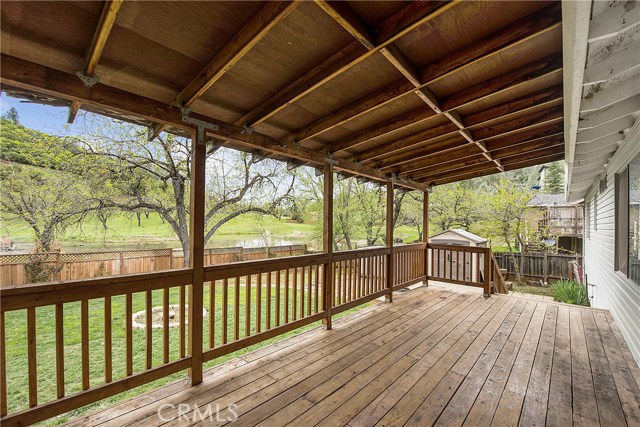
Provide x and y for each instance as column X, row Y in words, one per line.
column 422, row 92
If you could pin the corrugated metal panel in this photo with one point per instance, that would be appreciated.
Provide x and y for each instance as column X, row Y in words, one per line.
column 613, row 290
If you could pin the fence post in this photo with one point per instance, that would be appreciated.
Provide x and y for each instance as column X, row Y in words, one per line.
column 545, row 268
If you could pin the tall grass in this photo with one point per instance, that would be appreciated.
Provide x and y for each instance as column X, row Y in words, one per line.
column 570, row 291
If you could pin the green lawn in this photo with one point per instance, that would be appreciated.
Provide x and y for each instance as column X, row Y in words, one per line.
column 16, row 346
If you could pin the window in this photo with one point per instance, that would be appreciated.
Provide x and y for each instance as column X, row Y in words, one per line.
column 627, row 198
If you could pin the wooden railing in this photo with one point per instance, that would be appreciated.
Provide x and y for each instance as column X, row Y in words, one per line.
column 114, row 360
column 120, row 347
column 409, row 265
column 244, row 303
column 462, row 265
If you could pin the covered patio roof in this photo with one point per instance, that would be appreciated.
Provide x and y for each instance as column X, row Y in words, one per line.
column 424, row 93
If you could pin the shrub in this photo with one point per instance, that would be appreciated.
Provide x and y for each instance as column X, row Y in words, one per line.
column 570, row 291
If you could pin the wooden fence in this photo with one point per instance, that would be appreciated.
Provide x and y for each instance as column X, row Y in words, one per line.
column 73, row 266
column 538, row 266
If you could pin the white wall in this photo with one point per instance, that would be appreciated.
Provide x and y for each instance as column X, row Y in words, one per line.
column 613, row 290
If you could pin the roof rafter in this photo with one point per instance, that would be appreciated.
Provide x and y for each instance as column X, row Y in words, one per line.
column 518, row 124
column 512, row 35
column 107, row 19
column 254, row 30
column 394, row 27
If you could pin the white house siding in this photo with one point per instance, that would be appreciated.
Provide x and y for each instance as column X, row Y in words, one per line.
column 613, row 290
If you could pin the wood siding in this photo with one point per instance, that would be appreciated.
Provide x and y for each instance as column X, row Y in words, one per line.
column 612, row 290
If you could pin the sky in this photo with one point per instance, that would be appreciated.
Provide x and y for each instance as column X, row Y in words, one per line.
column 45, row 118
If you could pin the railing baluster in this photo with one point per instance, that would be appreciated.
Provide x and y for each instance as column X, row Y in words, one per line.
column 258, row 302
column 165, row 325
column 352, row 279
column 3, row 366
column 149, row 329
column 59, row 350
column 225, row 309
column 181, row 321
column 309, row 294
column 360, row 276
column 212, row 313
column 32, row 357
column 278, row 274
column 247, row 306
column 286, row 296
column 302, row 283
column 236, row 310
column 268, row 301
column 317, row 286
column 294, row 295
column 84, row 341
column 108, row 352
column 128, row 334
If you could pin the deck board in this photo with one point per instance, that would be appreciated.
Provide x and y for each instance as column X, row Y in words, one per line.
column 442, row 355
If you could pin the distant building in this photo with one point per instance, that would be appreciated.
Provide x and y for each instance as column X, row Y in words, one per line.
column 458, row 237
column 550, row 216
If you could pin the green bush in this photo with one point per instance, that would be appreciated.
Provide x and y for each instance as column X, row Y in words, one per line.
column 570, row 292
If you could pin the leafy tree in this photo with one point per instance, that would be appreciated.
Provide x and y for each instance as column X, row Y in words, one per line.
column 409, row 210
column 12, row 116
column 454, row 206
column 154, row 176
column 503, row 210
column 49, row 201
column 554, row 180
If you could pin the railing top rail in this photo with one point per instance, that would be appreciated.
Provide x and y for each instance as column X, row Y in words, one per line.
column 243, row 268
column 34, row 295
column 361, row 253
column 409, row 247
column 455, row 248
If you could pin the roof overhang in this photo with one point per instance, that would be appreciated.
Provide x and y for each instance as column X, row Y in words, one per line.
column 385, row 90
column 601, row 84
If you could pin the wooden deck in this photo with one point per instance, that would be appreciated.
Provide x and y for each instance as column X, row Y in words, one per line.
column 441, row 355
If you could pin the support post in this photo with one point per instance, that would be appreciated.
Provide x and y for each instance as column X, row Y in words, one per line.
column 389, row 237
column 425, row 234
column 196, row 252
column 327, row 242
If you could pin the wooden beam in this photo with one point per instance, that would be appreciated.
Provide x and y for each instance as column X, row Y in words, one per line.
column 477, row 164
column 491, row 170
column 394, row 27
column 467, row 152
column 520, row 31
column 425, row 138
column 508, row 80
column 425, row 233
column 515, row 78
column 73, row 111
column 342, row 13
column 106, row 22
column 543, row 97
column 196, row 251
column 254, row 30
column 392, row 125
column 328, row 242
column 493, row 44
column 32, row 77
column 389, row 241
column 440, row 131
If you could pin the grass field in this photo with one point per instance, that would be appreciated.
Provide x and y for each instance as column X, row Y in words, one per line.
column 16, row 347
column 124, row 229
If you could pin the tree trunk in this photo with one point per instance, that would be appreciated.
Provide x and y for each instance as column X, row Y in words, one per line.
column 138, row 216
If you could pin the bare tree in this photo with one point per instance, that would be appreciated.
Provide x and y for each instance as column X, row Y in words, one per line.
column 155, row 176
